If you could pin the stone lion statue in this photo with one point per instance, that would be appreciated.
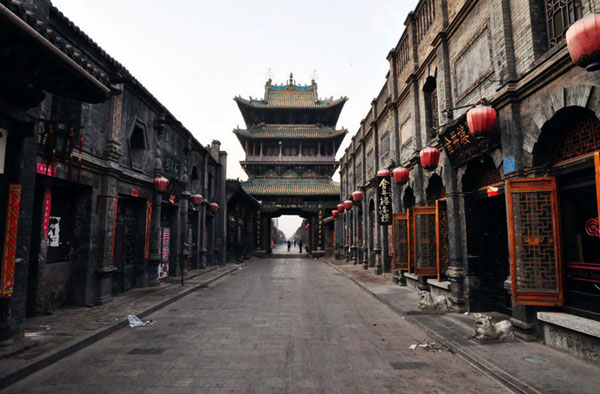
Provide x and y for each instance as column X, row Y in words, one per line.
column 486, row 331
column 427, row 302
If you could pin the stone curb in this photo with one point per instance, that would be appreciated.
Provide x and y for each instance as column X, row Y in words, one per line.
column 75, row 345
column 476, row 362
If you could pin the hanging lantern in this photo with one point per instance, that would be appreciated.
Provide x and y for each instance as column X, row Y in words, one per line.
column 197, row 199
column 357, row 196
column 383, row 173
column 213, row 206
column 583, row 41
column 348, row 204
column 430, row 158
column 161, row 183
column 401, row 175
column 481, row 120
column 334, row 213
column 341, row 207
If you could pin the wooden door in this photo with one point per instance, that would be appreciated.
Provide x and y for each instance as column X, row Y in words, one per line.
column 534, row 241
column 423, row 247
column 400, row 236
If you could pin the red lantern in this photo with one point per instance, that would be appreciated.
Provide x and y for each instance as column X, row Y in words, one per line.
column 213, row 206
column 341, row 207
column 481, row 120
column 348, row 204
column 401, row 175
column 430, row 158
column 583, row 41
column 357, row 196
column 334, row 213
column 383, row 173
column 197, row 199
column 160, row 184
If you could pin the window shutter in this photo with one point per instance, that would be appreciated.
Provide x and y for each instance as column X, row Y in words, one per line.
column 441, row 235
column 534, row 240
column 424, row 233
column 401, row 241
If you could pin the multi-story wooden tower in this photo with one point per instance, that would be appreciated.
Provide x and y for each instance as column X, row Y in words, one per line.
column 290, row 142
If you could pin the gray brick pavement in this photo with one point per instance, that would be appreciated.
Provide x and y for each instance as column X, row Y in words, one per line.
column 279, row 325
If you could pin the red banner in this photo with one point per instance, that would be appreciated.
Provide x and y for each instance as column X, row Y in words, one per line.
column 10, row 241
column 45, row 169
column 147, row 239
column 47, row 206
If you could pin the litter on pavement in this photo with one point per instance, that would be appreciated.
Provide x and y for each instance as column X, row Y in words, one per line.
column 135, row 321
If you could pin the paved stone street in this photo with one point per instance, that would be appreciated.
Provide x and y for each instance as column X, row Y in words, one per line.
column 285, row 325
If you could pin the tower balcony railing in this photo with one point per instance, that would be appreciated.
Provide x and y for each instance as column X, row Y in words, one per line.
column 291, row 158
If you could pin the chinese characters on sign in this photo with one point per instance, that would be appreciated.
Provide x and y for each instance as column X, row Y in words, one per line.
column 163, row 267
column 147, row 235
column 171, row 166
column 47, row 206
column 320, row 226
column 10, row 241
column 384, row 192
column 460, row 146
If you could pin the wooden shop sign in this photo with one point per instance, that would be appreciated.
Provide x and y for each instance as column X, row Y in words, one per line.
column 384, row 194
column 460, row 145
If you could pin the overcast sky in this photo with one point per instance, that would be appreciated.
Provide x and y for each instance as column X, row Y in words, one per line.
column 196, row 55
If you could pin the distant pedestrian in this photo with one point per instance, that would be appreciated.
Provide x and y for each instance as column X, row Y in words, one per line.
column 300, row 245
column 289, row 244
column 294, row 243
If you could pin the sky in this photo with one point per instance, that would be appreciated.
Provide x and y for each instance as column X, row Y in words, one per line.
column 196, row 55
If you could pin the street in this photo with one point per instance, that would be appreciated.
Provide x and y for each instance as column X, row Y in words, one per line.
column 281, row 325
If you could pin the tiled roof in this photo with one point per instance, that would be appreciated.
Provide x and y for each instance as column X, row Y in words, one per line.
column 291, row 96
column 290, row 131
column 291, row 187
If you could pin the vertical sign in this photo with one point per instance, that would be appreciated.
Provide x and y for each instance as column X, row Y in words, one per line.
column 163, row 267
column 384, row 192
column 10, row 241
column 3, row 138
column 114, row 229
column 320, row 227
column 147, row 237
column 46, row 219
column 258, row 229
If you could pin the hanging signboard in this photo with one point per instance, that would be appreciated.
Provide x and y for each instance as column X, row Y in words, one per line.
column 460, row 145
column 384, row 193
column 10, row 241
column 163, row 267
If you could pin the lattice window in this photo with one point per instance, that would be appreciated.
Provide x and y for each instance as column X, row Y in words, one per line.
column 583, row 138
column 425, row 248
column 560, row 14
column 424, row 17
column 400, row 234
column 403, row 55
column 534, row 241
column 443, row 251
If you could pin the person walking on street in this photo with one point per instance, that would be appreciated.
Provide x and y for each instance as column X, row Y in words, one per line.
column 289, row 244
column 300, row 245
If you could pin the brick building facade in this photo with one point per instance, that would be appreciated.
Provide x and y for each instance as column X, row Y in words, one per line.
column 450, row 236
column 81, row 217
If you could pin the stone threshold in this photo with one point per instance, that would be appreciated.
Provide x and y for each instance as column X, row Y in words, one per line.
column 571, row 322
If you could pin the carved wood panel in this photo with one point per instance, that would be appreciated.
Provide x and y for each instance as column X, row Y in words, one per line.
column 400, row 236
column 425, row 245
column 534, row 238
